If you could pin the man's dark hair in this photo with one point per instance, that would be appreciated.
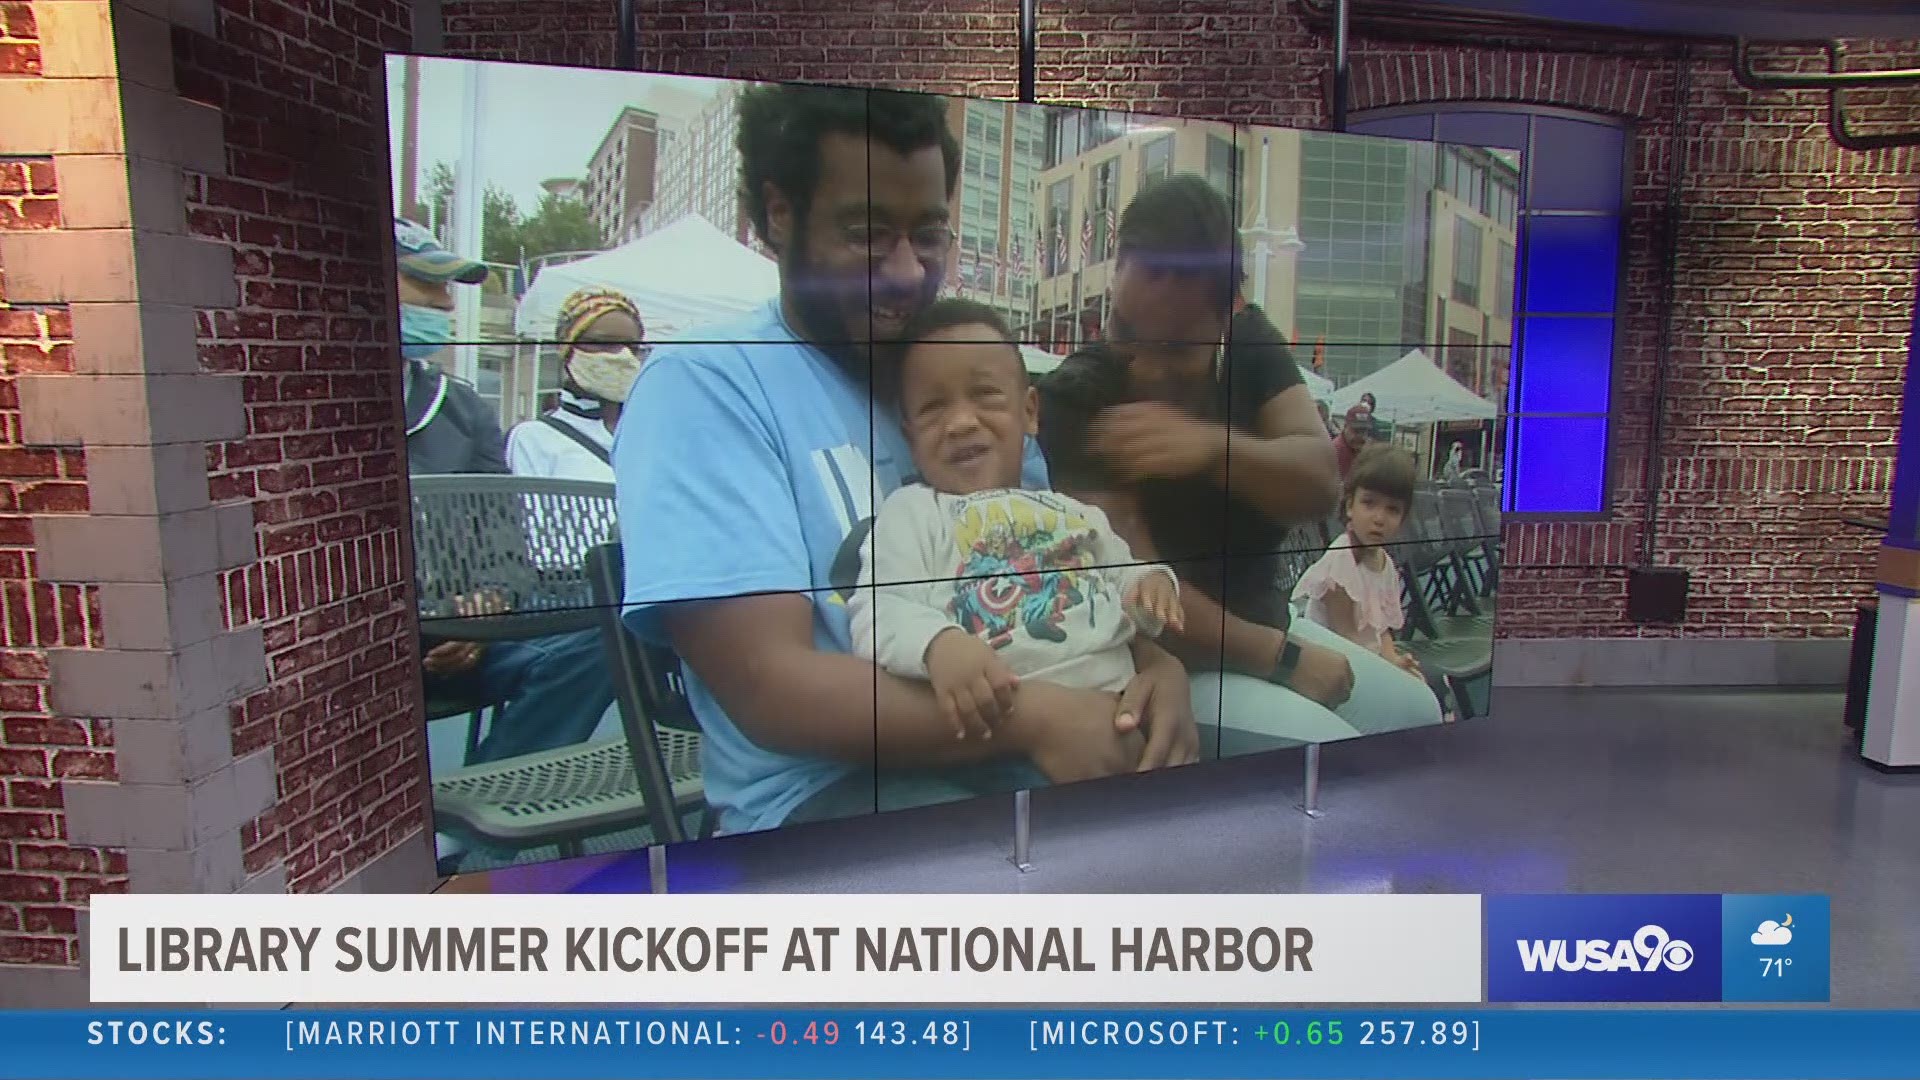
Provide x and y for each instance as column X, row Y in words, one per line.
column 1183, row 225
column 1072, row 397
column 1387, row 471
column 781, row 126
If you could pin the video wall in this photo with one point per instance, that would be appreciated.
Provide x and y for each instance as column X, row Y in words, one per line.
column 783, row 453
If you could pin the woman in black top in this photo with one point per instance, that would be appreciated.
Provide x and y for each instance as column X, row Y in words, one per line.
column 1218, row 451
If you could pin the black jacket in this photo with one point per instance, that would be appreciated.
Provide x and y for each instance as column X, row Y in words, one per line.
column 450, row 428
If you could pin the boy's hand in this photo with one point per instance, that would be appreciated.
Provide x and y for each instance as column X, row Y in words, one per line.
column 973, row 685
column 1158, row 598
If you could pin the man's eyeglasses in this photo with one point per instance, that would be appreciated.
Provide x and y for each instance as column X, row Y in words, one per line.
column 930, row 243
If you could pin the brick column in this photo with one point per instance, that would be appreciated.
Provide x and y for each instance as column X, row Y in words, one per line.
column 161, row 670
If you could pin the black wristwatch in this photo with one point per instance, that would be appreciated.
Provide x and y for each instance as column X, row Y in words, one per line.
column 1283, row 668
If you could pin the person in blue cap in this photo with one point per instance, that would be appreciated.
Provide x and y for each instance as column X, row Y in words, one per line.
column 556, row 690
column 450, row 428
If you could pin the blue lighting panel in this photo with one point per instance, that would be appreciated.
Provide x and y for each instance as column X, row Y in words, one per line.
column 1568, row 366
column 1572, row 265
column 1559, row 464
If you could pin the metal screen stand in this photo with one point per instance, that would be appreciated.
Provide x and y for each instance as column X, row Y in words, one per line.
column 1022, row 857
column 657, row 868
column 1309, row 803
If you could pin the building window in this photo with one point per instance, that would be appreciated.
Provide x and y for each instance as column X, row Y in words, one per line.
column 1059, row 237
column 1360, row 279
column 1223, row 165
column 1569, row 193
column 1156, row 160
column 1106, row 209
column 1503, row 281
column 1466, row 261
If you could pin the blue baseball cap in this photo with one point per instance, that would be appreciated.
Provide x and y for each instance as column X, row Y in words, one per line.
column 421, row 256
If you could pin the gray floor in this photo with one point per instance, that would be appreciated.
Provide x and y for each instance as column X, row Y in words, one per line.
column 1582, row 791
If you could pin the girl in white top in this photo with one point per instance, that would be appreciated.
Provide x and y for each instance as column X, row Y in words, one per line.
column 1354, row 590
column 600, row 332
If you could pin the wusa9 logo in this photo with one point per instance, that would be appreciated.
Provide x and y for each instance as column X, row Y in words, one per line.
column 1603, row 948
column 1650, row 948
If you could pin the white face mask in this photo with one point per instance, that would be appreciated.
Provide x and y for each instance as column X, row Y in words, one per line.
column 604, row 375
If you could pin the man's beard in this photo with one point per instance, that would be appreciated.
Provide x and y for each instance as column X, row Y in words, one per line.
column 814, row 302
column 811, row 296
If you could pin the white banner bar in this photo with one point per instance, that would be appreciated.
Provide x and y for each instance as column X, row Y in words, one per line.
column 743, row 949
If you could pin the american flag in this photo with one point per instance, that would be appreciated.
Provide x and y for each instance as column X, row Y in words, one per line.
column 1059, row 251
column 1113, row 232
column 1086, row 238
column 967, row 266
column 1016, row 260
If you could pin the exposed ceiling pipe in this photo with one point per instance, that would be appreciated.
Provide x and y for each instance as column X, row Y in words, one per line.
column 1029, row 48
column 1410, row 20
column 1836, row 80
column 625, row 46
column 1833, row 78
column 1342, row 70
column 1669, row 285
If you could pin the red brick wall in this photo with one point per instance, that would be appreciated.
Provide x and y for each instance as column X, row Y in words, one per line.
column 19, row 39
column 303, row 206
column 1795, row 282
column 43, row 880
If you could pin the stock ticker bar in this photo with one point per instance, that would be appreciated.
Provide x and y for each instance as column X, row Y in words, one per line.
column 999, row 1044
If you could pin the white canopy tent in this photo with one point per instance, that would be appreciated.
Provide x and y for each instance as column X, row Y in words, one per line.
column 1040, row 361
column 1411, row 390
column 1318, row 385
column 681, row 277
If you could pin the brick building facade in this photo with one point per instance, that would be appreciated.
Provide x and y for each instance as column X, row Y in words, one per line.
column 197, row 363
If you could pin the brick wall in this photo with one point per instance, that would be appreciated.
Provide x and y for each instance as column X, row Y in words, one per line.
column 1795, row 280
column 43, row 879
column 302, row 204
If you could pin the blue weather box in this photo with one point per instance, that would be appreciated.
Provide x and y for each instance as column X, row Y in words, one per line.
column 1775, row 948
column 1604, row 948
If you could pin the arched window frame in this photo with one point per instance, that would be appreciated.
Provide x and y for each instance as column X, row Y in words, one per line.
column 1543, row 448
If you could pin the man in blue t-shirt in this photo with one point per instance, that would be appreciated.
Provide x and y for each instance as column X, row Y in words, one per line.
column 749, row 471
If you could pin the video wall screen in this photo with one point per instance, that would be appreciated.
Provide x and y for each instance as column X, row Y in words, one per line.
column 950, row 447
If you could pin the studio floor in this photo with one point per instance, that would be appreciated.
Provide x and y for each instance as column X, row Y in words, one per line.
column 1559, row 791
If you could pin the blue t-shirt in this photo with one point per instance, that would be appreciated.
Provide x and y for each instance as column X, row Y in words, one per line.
column 745, row 468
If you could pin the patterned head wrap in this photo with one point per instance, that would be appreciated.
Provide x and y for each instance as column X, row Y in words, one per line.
column 587, row 306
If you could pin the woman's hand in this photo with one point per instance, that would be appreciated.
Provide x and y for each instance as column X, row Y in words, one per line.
column 1150, row 440
column 1323, row 675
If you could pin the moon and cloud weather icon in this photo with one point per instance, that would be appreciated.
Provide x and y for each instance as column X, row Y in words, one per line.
column 1774, row 933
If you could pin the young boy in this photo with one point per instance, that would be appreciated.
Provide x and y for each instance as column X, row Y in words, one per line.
column 972, row 583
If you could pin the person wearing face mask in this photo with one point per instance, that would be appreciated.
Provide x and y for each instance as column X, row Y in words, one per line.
column 600, row 331
column 554, row 691
column 450, row 428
